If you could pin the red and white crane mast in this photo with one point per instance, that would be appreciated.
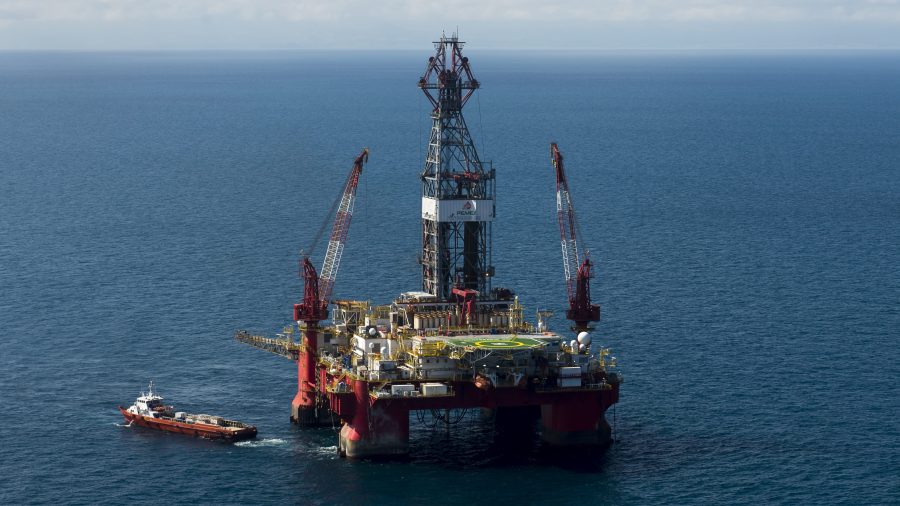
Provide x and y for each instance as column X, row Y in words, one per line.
column 339, row 230
column 577, row 267
column 318, row 286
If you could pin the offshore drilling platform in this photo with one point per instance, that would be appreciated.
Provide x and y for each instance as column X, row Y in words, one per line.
column 458, row 342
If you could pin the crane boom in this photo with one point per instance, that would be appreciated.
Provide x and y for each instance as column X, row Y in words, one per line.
column 565, row 216
column 317, row 287
column 339, row 230
column 577, row 269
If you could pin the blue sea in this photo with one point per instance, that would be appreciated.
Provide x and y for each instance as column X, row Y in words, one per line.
column 743, row 211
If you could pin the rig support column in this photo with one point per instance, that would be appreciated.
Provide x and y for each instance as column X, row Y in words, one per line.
column 574, row 423
column 303, row 407
column 306, row 408
column 378, row 430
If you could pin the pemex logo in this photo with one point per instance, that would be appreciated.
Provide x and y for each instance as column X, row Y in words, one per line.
column 468, row 209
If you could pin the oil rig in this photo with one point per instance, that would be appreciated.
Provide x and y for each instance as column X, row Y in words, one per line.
column 457, row 342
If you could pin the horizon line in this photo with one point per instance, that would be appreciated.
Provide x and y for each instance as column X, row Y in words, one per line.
column 505, row 49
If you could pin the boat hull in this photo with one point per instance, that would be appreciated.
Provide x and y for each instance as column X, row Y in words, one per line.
column 189, row 429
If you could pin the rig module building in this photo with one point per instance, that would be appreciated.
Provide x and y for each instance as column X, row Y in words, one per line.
column 457, row 342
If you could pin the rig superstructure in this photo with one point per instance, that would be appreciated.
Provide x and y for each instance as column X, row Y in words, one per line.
column 458, row 342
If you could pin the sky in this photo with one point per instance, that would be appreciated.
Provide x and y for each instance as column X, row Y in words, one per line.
column 405, row 24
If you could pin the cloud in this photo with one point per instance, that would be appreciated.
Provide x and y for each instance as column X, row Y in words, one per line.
column 709, row 11
column 361, row 24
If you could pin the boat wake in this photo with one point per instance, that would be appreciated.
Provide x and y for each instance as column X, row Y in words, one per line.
column 330, row 451
column 123, row 424
column 261, row 443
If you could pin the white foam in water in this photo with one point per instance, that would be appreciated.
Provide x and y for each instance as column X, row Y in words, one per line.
column 261, row 442
column 327, row 450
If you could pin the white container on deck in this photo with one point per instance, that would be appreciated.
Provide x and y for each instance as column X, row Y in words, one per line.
column 570, row 372
column 400, row 389
column 429, row 389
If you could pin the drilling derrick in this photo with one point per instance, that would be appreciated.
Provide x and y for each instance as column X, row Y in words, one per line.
column 457, row 190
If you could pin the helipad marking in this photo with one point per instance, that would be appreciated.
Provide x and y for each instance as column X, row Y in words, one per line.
column 500, row 344
column 497, row 344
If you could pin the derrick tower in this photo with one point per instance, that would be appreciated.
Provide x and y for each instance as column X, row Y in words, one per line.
column 457, row 189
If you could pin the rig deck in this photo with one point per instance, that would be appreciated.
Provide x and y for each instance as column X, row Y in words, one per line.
column 372, row 374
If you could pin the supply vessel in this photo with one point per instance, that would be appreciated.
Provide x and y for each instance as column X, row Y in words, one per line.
column 458, row 341
column 149, row 411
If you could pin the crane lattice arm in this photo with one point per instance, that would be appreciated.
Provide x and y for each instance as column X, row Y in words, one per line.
column 565, row 216
column 339, row 230
column 577, row 268
column 317, row 287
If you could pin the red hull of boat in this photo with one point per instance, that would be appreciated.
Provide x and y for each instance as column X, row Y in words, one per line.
column 190, row 429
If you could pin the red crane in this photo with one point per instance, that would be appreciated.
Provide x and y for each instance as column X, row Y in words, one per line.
column 577, row 268
column 317, row 287
column 305, row 408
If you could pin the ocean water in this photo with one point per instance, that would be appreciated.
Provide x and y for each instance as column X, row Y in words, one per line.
column 743, row 211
